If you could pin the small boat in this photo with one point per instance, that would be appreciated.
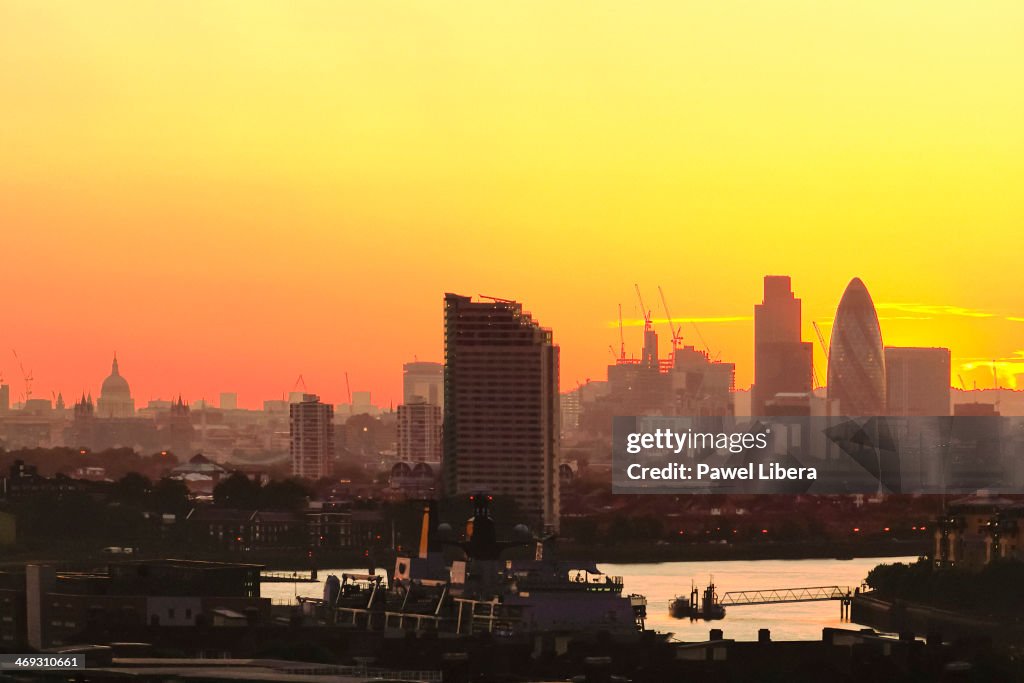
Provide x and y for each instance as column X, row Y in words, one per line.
column 692, row 608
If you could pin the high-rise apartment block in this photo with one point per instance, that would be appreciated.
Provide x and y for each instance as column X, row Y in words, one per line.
column 501, row 406
column 312, row 437
column 419, row 431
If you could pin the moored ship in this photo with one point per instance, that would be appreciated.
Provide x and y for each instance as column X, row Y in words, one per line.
column 482, row 593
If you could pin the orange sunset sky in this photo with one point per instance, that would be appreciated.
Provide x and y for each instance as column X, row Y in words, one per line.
column 229, row 194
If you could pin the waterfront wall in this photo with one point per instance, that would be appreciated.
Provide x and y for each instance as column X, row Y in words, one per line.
column 899, row 616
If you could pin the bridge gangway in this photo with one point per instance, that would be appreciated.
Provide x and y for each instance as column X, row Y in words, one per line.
column 778, row 595
column 307, row 576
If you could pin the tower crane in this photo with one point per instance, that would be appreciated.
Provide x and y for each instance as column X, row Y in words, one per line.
column 677, row 333
column 622, row 338
column 995, row 381
column 643, row 309
column 703, row 342
column 26, row 376
column 821, row 338
column 821, row 342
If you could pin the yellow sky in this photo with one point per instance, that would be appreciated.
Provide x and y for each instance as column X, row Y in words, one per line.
column 233, row 193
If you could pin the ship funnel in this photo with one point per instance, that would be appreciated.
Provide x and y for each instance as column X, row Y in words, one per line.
column 425, row 532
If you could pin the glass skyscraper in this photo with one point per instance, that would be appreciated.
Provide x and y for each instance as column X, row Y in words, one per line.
column 856, row 360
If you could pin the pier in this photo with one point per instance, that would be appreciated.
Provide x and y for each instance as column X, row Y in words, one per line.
column 307, row 576
column 844, row 594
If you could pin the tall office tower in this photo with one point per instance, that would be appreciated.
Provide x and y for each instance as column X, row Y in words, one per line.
column 5, row 398
column 917, row 381
column 362, row 405
column 501, row 406
column 782, row 362
column 228, row 400
column 425, row 380
column 419, row 431
column 856, row 362
column 312, row 437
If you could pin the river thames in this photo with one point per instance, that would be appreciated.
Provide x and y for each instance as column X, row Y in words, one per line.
column 661, row 582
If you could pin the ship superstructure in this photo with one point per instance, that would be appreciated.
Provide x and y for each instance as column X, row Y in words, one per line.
column 482, row 592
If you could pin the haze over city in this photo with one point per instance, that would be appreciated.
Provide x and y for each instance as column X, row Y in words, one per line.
column 448, row 342
column 258, row 193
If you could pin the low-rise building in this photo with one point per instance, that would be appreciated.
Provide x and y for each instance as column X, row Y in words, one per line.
column 978, row 530
column 239, row 530
column 63, row 608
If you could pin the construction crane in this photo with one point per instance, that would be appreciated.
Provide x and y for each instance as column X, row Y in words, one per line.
column 703, row 342
column 622, row 338
column 995, row 381
column 824, row 350
column 299, row 383
column 26, row 376
column 821, row 338
column 963, row 385
column 643, row 309
column 611, row 350
column 677, row 333
column 348, row 388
